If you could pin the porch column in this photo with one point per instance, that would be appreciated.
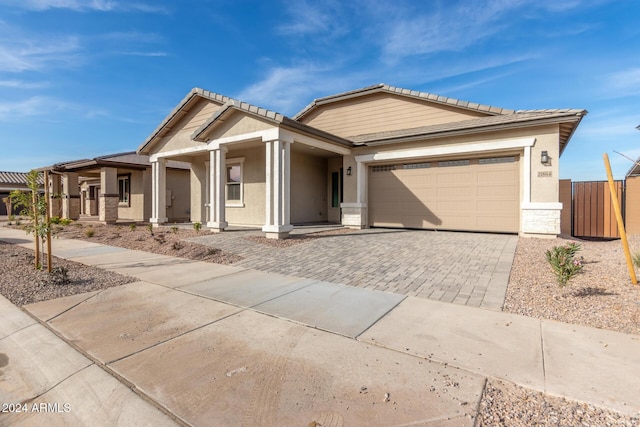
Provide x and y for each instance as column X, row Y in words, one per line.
column 109, row 196
column 158, row 192
column 354, row 215
column 71, row 196
column 217, row 180
column 277, row 182
column 55, row 194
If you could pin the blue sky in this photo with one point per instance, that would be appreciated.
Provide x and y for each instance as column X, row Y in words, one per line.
column 83, row 78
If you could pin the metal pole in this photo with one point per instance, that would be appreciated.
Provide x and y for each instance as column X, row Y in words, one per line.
column 48, row 218
column 616, row 208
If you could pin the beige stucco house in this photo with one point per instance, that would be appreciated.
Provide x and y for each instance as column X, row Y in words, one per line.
column 380, row 156
column 115, row 187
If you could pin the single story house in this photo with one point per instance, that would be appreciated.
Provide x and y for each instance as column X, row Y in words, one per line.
column 10, row 181
column 379, row 156
column 113, row 187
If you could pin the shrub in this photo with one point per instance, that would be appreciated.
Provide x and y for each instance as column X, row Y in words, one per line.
column 132, row 227
column 174, row 229
column 563, row 262
column 89, row 232
column 197, row 226
column 59, row 276
column 150, row 228
column 636, row 259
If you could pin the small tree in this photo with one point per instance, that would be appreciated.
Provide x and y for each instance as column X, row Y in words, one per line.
column 34, row 206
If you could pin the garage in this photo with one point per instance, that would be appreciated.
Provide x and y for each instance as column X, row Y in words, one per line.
column 470, row 194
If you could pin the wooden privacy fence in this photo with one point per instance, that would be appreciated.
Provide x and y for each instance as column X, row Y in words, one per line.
column 592, row 210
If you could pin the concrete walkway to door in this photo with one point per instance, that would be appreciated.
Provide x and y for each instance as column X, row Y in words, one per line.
column 461, row 268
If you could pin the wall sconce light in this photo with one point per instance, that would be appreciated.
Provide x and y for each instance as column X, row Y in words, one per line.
column 349, row 170
column 544, row 158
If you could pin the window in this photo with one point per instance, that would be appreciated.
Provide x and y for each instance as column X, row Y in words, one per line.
column 493, row 160
column 450, row 163
column 124, row 190
column 335, row 189
column 234, row 184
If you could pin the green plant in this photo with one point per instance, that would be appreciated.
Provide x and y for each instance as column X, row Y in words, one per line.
column 197, row 226
column 636, row 259
column 89, row 232
column 563, row 262
column 150, row 228
column 132, row 227
column 12, row 217
column 174, row 229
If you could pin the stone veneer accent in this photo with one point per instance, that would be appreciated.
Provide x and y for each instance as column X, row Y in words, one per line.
column 71, row 207
column 354, row 215
column 109, row 207
column 541, row 218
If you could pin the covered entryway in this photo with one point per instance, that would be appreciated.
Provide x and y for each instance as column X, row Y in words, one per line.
column 472, row 194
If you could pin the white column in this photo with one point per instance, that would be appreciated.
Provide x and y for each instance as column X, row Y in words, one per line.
column 158, row 192
column 277, row 182
column 217, row 180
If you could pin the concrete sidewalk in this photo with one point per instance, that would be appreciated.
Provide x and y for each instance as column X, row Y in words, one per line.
column 210, row 343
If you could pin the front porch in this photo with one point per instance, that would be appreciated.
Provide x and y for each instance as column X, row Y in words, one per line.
column 252, row 169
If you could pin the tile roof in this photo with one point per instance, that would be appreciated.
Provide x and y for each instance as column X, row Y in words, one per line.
column 195, row 92
column 124, row 160
column 405, row 92
column 18, row 178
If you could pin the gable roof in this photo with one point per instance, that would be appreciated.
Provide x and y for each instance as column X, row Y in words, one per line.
column 276, row 118
column 180, row 110
column 385, row 88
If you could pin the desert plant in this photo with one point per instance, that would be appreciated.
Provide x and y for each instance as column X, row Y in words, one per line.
column 59, row 276
column 132, row 227
column 176, row 246
column 89, row 232
column 150, row 228
column 563, row 262
column 174, row 229
column 636, row 259
column 197, row 226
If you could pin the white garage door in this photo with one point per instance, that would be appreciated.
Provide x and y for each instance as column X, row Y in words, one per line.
column 464, row 194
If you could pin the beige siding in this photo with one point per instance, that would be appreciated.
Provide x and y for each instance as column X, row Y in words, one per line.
column 383, row 112
column 308, row 188
column 239, row 124
column 179, row 136
column 475, row 197
column 135, row 210
column 566, row 200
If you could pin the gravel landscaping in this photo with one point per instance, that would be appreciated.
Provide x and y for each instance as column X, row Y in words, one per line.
column 600, row 296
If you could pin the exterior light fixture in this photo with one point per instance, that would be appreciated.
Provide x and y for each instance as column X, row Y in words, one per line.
column 349, row 170
column 544, row 158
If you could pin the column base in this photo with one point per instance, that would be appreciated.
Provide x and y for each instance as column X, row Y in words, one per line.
column 157, row 222
column 354, row 215
column 277, row 231
column 217, row 227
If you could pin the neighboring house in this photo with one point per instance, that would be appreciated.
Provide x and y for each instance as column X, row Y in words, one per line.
column 378, row 156
column 116, row 186
column 632, row 199
column 10, row 181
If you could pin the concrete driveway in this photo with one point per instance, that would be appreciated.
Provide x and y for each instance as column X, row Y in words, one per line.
column 462, row 268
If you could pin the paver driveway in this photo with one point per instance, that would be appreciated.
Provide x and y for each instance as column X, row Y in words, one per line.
column 462, row 268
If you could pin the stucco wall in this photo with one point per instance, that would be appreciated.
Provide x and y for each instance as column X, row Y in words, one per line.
column 198, row 177
column 135, row 211
column 308, row 188
column 253, row 175
column 178, row 184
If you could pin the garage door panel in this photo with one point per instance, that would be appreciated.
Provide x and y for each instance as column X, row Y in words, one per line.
column 470, row 195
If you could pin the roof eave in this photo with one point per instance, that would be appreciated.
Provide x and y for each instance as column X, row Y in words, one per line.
column 471, row 130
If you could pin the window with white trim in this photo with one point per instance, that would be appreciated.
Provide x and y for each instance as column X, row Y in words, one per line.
column 234, row 186
column 124, row 190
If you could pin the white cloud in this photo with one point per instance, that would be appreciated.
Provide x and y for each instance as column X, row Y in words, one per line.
column 86, row 5
column 46, row 107
column 625, row 83
column 309, row 18
column 20, row 84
